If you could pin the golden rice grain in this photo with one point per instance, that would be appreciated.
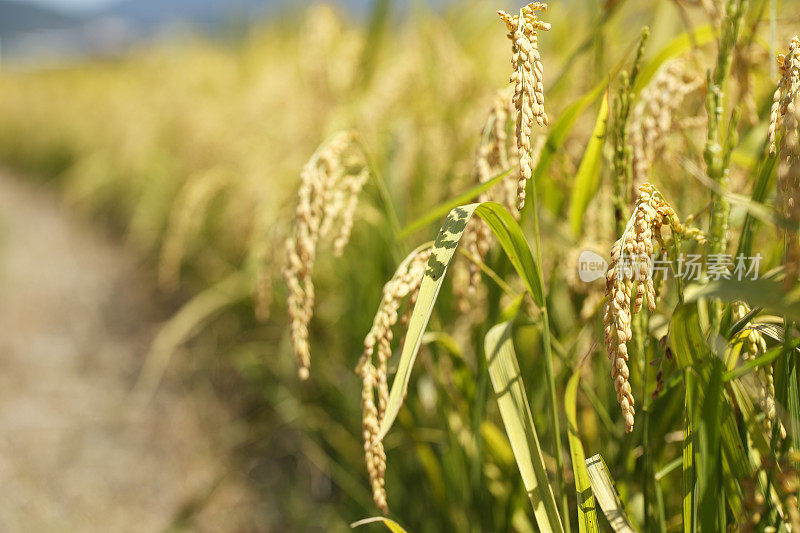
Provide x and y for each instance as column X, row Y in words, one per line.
column 329, row 189
column 786, row 92
column 631, row 262
column 528, row 81
column 404, row 284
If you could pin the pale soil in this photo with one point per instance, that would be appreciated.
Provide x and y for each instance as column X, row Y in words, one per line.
column 76, row 453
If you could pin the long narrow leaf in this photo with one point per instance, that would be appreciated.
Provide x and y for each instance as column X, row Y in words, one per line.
column 765, row 293
column 675, row 48
column 587, row 515
column 587, row 180
column 693, row 355
column 184, row 323
column 516, row 413
column 516, row 248
column 606, row 494
column 764, row 180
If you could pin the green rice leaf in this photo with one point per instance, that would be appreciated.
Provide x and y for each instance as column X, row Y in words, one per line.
column 516, row 413
column 606, row 494
column 555, row 140
column 513, row 242
column 587, row 180
column 764, row 181
column 189, row 318
column 698, row 360
column 587, row 515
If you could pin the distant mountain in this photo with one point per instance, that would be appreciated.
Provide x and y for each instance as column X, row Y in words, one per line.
column 17, row 18
column 211, row 14
column 32, row 33
column 149, row 14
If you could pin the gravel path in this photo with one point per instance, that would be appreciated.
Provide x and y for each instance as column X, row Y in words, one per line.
column 76, row 453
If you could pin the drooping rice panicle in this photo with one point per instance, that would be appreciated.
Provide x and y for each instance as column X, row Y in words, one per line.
column 372, row 366
column 328, row 193
column 630, row 266
column 786, row 92
column 528, row 81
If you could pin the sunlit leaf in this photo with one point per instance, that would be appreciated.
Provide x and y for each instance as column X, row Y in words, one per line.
column 518, row 421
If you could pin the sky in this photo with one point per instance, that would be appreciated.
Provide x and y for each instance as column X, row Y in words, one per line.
column 72, row 5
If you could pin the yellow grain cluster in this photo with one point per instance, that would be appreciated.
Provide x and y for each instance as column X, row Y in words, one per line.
column 786, row 92
column 528, row 81
column 372, row 366
column 786, row 113
column 329, row 188
column 655, row 116
column 631, row 265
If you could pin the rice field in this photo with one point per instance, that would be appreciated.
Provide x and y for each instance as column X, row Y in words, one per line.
column 534, row 270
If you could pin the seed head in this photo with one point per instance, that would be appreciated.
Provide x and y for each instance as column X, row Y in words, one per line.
column 786, row 92
column 528, row 81
column 631, row 265
column 496, row 154
column 753, row 344
column 185, row 220
column 328, row 194
column 404, row 284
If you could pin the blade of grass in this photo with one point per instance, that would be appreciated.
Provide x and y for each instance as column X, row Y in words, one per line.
column 606, row 494
column 689, row 478
column 181, row 326
column 587, row 515
column 514, row 245
column 515, row 411
column 675, row 48
column 765, row 293
column 766, row 358
column 764, row 181
column 695, row 358
column 587, row 180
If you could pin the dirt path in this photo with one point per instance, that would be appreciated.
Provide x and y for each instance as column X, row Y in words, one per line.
column 76, row 454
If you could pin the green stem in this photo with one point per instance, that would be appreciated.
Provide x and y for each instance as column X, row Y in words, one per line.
column 548, row 359
column 689, row 481
column 383, row 189
column 716, row 154
column 641, row 349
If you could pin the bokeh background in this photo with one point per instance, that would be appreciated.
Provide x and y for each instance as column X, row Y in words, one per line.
column 150, row 154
